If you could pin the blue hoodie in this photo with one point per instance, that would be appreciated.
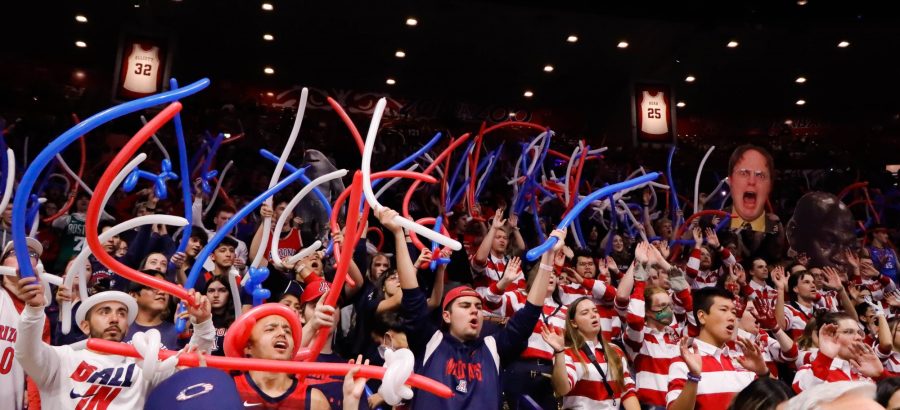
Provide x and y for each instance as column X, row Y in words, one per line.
column 470, row 369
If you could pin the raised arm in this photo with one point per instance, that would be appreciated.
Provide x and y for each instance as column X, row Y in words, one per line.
column 516, row 237
column 481, row 255
column 437, row 290
column 781, row 283
column 40, row 361
column 265, row 211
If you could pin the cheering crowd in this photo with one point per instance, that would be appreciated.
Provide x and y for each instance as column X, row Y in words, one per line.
column 737, row 311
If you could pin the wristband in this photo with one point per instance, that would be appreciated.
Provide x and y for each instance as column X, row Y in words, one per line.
column 547, row 267
column 556, row 352
column 693, row 377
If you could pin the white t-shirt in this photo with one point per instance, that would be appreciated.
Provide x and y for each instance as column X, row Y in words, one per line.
column 70, row 379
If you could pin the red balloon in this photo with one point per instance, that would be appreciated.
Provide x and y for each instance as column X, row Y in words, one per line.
column 93, row 214
column 263, row 365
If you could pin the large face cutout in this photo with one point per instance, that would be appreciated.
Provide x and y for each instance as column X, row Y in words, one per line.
column 751, row 184
column 822, row 227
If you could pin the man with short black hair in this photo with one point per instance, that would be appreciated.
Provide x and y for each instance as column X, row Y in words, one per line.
column 707, row 355
column 152, row 306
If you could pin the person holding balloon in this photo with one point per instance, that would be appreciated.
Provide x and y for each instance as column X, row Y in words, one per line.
column 69, row 378
column 459, row 356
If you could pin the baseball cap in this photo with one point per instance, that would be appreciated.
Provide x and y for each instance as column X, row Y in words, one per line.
column 314, row 290
column 33, row 244
column 459, row 292
column 195, row 388
column 107, row 296
column 294, row 289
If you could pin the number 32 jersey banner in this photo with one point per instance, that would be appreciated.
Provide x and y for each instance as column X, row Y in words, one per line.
column 653, row 117
column 142, row 67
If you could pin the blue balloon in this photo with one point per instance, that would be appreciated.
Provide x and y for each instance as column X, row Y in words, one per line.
column 159, row 180
column 435, row 247
column 495, row 156
column 579, row 207
column 206, row 174
column 676, row 220
column 185, row 177
column 253, row 284
column 223, row 232
column 56, row 146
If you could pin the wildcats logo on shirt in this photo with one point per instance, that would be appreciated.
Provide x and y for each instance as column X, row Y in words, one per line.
column 106, row 384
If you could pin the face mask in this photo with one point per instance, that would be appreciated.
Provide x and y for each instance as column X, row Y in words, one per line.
column 382, row 349
column 664, row 316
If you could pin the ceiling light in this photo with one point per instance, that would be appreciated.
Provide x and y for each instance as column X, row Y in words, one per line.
column 690, row 79
column 801, row 102
column 400, row 54
column 528, row 94
column 572, row 38
column 622, row 44
column 680, row 104
column 227, row 135
column 269, row 70
column 270, row 94
column 390, row 81
column 137, row 6
column 788, row 122
column 80, row 18
column 80, row 44
column 800, row 80
column 268, row 7
column 412, row 22
column 801, row 2
column 79, row 74
column 548, row 68
column 844, row 44
column 268, row 37
column 732, row 44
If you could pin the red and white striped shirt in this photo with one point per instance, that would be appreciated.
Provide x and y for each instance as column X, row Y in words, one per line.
column 700, row 279
column 489, row 274
column 797, row 316
column 721, row 378
column 651, row 351
column 828, row 299
column 771, row 350
column 587, row 386
column 824, row 369
column 602, row 292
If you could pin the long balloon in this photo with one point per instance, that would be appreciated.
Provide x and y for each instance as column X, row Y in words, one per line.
column 218, row 188
column 344, row 261
column 370, row 196
column 539, row 250
column 104, row 190
column 60, row 143
column 77, row 266
column 412, row 188
column 676, row 220
column 10, row 179
column 697, row 179
column 267, row 221
column 276, row 258
column 264, row 365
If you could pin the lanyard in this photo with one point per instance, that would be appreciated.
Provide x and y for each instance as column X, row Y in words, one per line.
column 546, row 319
column 590, row 354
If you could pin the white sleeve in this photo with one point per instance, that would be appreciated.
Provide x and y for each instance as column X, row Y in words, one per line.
column 204, row 336
column 39, row 360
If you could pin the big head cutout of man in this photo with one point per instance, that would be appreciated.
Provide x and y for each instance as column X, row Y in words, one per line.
column 751, row 171
column 822, row 227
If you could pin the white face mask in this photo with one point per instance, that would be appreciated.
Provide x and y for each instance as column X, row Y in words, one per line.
column 382, row 349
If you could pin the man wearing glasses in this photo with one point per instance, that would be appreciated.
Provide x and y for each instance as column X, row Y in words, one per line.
column 12, row 377
column 751, row 171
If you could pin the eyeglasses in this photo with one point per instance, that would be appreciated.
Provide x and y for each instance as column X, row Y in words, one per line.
column 746, row 173
column 852, row 332
column 12, row 252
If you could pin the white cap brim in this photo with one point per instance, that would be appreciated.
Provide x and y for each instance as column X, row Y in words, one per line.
column 108, row 296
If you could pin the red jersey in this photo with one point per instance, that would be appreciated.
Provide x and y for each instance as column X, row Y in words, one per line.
column 294, row 398
column 287, row 245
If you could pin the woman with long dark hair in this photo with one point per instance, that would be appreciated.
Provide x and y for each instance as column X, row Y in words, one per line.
column 219, row 295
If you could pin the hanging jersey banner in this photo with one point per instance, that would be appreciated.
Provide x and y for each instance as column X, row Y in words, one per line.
column 653, row 114
column 142, row 66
